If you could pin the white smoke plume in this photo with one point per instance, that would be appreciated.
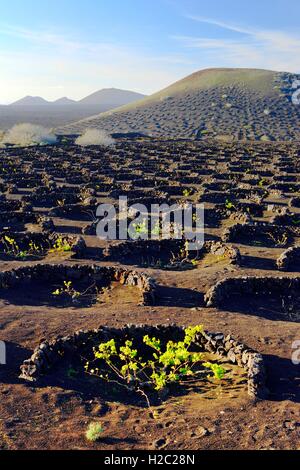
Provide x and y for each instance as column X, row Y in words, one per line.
column 95, row 137
column 28, row 134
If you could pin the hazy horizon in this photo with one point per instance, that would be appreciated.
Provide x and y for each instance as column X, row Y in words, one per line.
column 66, row 51
column 69, row 97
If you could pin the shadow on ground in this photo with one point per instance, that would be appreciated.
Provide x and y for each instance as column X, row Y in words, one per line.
column 283, row 379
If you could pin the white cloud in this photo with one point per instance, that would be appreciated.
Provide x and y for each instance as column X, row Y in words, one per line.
column 222, row 24
column 81, row 67
column 269, row 49
column 52, row 65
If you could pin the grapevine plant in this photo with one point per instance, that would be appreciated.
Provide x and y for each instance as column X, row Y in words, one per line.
column 69, row 294
column 12, row 248
column 60, row 246
column 174, row 363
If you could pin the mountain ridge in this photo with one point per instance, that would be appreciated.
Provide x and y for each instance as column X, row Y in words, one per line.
column 105, row 96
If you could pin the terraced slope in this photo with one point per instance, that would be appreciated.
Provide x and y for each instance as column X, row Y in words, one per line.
column 227, row 104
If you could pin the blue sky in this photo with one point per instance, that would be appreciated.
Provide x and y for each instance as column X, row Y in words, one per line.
column 72, row 48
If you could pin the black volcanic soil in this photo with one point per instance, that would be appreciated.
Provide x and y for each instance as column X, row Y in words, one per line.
column 224, row 104
column 55, row 412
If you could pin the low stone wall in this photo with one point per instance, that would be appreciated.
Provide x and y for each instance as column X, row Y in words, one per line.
column 287, row 219
column 294, row 202
column 224, row 288
column 90, row 229
column 46, row 224
column 221, row 249
column 218, row 186
column 149, row 201
column 142, row 247
column 288, row 258
column 172, row 246
column 285, row 187
column 137, row 193
column 239, row 232
column 240, row 217
column 10, row 205
column 73, row 210
column 50, row 198
column 10, row 218
column 77, row 243
column 251, row 208
column 215, row 197
column 47, row 354
column 255, row 196
column 61, row 272
column 43, row 240
column 276, row 209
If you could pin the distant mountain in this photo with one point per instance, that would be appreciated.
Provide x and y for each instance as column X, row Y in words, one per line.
column 107, row 98
column 111, row 96
column 31, row 101
column 219, row 103
column 57, row 113
column 64, row 101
